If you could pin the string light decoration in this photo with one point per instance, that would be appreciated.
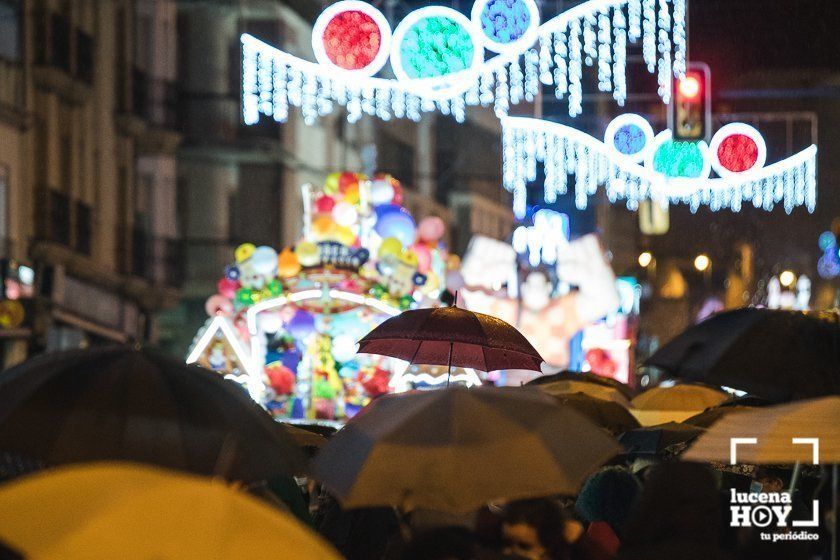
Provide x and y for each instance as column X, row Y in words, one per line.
column 672, row 172
column 352, row 41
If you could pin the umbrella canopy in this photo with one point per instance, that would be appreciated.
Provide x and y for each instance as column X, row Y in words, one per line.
column 122, row 404
column 602, row 392
column 128, row 511
column 451, row 336
column 779, row 355
column 679, row 397
column 652, row 440
column 609, row 415
column 584, row 377
column 712, row 415
column 774, row 427
column 456, row 449
column 303, row 437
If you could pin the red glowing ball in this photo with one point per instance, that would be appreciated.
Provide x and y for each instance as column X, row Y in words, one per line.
column 737, row 153
column 324, row 204
column 281, row 378
column 352, row 40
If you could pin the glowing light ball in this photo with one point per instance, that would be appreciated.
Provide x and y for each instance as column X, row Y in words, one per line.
column 506, row 25
column 629, row 135
column 281, row 378
column 344, row 235
column 345, row 214
column 270, row 322
column 423, row 256
column 346, row 180
column 431, row 229
column 331, row 184
column 343, row 348
column 827, row 241
column 307, row 253
column 323, row 227
column 679, row 160
column 301, row 325
column 218, row 305
column 227, row 287
column 390, row 246
column 288, row 264
column 264, row 260
column 737, row 148
column 352, row 37
column 324, row 204
column 432, row 42
column 232, row 272
column 381, row 192
column 244, row 252
column 351, row 194
column 395, row 221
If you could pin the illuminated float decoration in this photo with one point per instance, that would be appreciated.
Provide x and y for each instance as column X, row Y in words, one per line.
column 635, row 165
column 285, row 324
column 437, row 56
column 528, row 284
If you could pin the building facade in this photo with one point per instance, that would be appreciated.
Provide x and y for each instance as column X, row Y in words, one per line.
column 87, row 168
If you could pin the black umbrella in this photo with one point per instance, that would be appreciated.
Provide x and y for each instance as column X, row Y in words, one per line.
column 122, row 404
column 778, row 355
column 586, row 377
column 652, row 440
column 607, row 414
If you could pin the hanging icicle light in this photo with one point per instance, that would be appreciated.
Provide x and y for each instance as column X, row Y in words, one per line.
column 634, row 165
column 352, row 42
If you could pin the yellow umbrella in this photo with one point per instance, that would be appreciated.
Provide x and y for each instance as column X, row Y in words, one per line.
column 127, row 511
column 679, row 397
column 567, row 387
column 774, row 428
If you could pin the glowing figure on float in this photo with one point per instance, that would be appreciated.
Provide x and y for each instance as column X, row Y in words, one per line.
column 285, row 324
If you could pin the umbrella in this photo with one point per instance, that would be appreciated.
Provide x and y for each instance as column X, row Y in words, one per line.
column 712, row 415
column 456, row 449
column 119, row 403
column 652, row 440
column 128, row 511
column 679, row 397
column 303, row 437
column 451, row 336
column 774, row 427
column 779, row 355
column 609, row 415
column 584, row 377
column 602, row 392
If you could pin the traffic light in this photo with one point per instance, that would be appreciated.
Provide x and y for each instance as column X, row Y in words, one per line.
column 690, row 113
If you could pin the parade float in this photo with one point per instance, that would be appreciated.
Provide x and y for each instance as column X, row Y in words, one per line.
column 285, row 324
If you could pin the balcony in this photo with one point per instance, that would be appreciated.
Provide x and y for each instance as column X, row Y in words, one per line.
column 12, row 109
column 155, row 102
column 64, row 61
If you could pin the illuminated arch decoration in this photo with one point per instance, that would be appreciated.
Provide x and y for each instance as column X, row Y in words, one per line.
column 672, row 172
column 596, row 33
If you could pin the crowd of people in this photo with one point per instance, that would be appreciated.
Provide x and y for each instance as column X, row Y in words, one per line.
column 638, row 510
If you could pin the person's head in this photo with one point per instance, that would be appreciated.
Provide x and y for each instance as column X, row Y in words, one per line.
column 534, row 528
column 609, row 495
column 441, row 543
column 771, row 479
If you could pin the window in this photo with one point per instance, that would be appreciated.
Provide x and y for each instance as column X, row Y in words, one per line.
column 10, row 30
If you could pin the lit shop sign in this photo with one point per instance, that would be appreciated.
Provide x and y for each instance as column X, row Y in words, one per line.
column 437, row 56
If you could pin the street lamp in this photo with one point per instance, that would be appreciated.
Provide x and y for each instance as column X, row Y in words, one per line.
column 645, row 259
column 702, row 262
column 787, row 278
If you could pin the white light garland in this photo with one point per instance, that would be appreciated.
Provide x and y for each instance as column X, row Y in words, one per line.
column 560, row 148
column 595, row 32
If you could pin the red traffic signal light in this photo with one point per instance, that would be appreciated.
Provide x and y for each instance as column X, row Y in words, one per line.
column 689, row 115
column 689, row 86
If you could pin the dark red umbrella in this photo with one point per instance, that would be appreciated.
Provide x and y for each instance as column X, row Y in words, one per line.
column 451, row 336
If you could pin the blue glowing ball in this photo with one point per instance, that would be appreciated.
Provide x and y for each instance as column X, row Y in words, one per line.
column 827, row 241
column 629, row 140
column 395, row 221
